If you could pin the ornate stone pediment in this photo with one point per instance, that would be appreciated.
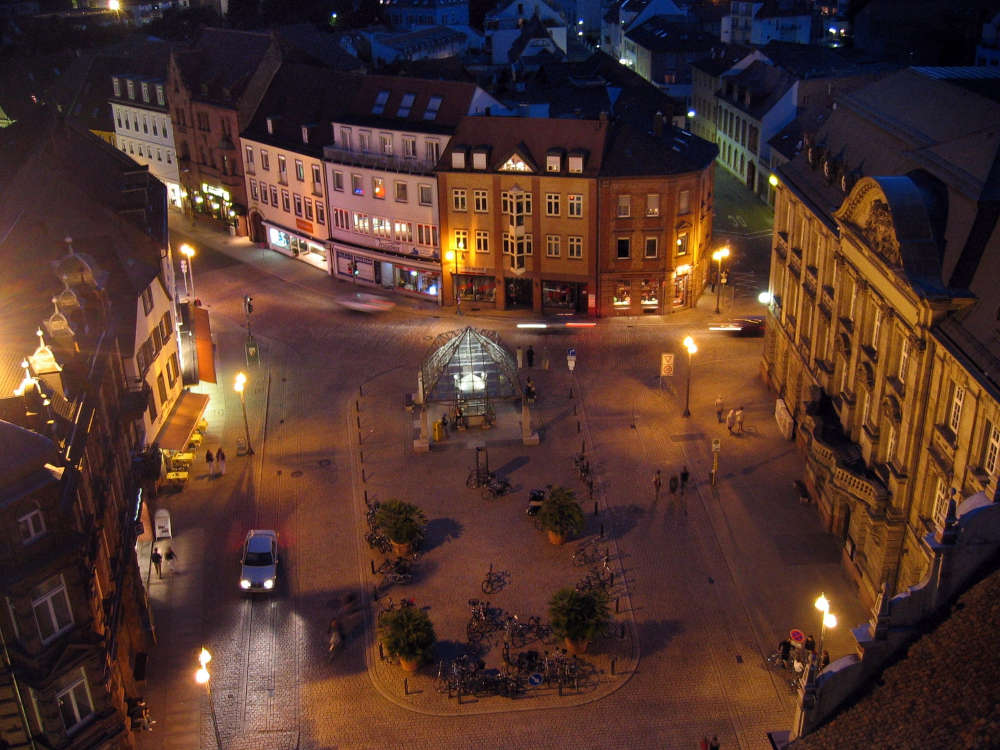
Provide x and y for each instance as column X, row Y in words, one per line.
column 866, row 374
column 867, row 211
column 891, row 408
column 881, row 234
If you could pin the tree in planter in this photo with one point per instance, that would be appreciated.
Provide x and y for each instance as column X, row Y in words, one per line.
column 407, row 634
column 561, row 515
column 402, row 522
column 578, row 616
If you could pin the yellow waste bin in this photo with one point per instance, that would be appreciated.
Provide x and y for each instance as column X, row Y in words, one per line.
column 438, row 432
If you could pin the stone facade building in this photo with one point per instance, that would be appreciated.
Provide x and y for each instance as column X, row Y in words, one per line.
column 881, row 340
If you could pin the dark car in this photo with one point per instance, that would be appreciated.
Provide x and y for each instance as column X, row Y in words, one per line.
column 751, row 325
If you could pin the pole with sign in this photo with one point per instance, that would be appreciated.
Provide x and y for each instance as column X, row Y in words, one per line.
column 666, row 366
column 571, row 359
column 716, row 449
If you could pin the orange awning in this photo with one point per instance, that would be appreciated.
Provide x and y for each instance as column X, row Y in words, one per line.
column 203, row 342
column 180, row 425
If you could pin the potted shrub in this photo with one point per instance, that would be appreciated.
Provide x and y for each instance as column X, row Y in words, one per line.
column 408, row 635
column 578, row 616
column 403, row 523
column 560, row 515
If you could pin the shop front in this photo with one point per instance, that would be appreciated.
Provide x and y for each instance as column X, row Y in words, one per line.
column 476, row 287
column 298, row 244
column 414, row 276
column 681, row 286
column 564, row 296
column 640, row 295
column 518, row 294
column 214, row 202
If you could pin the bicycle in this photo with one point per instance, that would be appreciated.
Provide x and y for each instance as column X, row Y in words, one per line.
column 494, row 581
column 515, row 632
column 482, row 622
column 495, row 487
column 588, row 553
column 379, row 541
column 395, row 571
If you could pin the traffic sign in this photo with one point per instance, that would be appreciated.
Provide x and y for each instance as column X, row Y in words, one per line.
column 666, row 364
column 534, row 679
column 716, row 445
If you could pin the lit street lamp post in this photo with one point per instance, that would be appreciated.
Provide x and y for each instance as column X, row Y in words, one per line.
column 202, row 677
column 188, row 252
column 829, row 620
column 241, row 381
column 453, row 255
column 691, row 349
column 717, row 256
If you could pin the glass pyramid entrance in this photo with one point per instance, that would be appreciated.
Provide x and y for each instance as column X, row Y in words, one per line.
column 469, row 364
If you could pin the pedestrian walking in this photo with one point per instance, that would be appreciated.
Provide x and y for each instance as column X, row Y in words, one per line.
column 171, row 558
column 673, row 484
column 529, row 356
column 657, row 484
column 220, row 460
column 685, row 475
column 520, row 358
column 738, row 421
column 210, row 460
column 157, row 560
column 714, row 744
column 731, row 419
column 810, row 645
column 718, row 408
column 444, row 423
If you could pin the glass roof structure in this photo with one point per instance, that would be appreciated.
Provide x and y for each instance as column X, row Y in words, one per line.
column 469, row 364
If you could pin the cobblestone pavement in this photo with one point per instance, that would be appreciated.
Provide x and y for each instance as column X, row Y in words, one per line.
column 708, row 583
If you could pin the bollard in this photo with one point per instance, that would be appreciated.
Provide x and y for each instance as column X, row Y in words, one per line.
column 406, row 686
column 363, row 477
column 372, row 562
column 366, row 497
column 583, row 446
column 621, row 632
column 360, row 441
column 357, row 406
column 362, row 454
column 361, row 391
column 571, row 391
column 381, row 654
column 618, row 600
column 613, row 667
column 595, row 507
column 574, row 410
column 359, row 422
column 578, row 425
column 602, row 531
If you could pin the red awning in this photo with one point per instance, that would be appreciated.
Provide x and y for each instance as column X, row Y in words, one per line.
column 203, row 342
column 180, row 425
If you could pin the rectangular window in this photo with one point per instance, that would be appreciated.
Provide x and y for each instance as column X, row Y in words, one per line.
column 426, row 195
column 298, row 204
column 854, row 301
column 317, row 179
column 479, row 201
column 624, row 248
column 552, row 204
column 459, row 199
column 409, row 147
column 866, row 406
column 890, row 443
column 357, row 185
column 433, row 105
column 461, row 239
column 624, row 206
column 338, row 181
column 250, row 165
column 652, row 204
column 320, row 213
column 253, row 189
column 265, row 160
column 300, row 172
column 147, row 300
column 341, row 218
column 51, row 606
column 160, row 96
column 31, row 526
column 682, row 243
column 575, row 164
column 992, row 449
column 553, row 246
column 684, row 202
column 381, row 227
column 432, row 151
column 380, row 100
column 574, row 247
column 955, row 414
column 482, row 241
column 574, row 206
column 403, row 231
column 941, row 497
column 385, row 143
column 116, row 84
column 75, row 705
column 401, row 195
column 364, row 142
column 274, row 196
column 405, row 104
column 876, row 325
column 145, row 91
column 360, row 223
column 427, row 234
column 552, row 163
column 378, row 188
column 286, row 203
column 904, row 359
column 282, row 169
column 651, row 247
column 345, row 139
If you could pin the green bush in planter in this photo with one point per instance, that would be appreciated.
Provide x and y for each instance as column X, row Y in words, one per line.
column 407, row 633
column 578, row 615
column 561, row 513
column 402, row 522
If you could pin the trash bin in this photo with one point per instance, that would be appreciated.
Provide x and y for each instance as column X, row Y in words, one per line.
column 438, row 432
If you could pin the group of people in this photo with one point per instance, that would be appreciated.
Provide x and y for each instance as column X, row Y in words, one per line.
column 733, row 420
column 216, row 462
column 157, row 559
column 459, row 421
column 804, row 654
column 675, row 483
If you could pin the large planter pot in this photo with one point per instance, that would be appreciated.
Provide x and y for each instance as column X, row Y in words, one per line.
column 400, row 549
column 576, row 647
column 409, row 665
column 556, row 538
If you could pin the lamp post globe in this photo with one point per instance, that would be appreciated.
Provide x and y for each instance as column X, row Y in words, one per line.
column 691, row 349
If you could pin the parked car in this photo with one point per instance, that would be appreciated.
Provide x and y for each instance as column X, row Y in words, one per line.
column 259, row 565
column 752, row 325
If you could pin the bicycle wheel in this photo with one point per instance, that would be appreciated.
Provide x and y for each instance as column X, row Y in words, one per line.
column 474, row 632
column 489, row 585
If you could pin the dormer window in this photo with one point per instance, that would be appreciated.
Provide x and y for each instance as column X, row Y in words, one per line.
column 433, row 105
column 576, row 163
column 116, row 84
column 160, row 96
column 305, row 134
column 479, row 160
column 130, row 85
column 380, row 100
column 405, row 105
column 145, row 91
column 553, row 162
column 458, row 159
column 270, row 126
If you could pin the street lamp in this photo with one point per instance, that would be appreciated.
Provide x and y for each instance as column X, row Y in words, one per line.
column 718, row 255
column 453, row 255
column 202, row 677
column 241, row 381
column 829, row 619
column 188, row 252
column 691, row 349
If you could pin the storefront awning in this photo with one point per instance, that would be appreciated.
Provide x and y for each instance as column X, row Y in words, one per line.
column 180, row 425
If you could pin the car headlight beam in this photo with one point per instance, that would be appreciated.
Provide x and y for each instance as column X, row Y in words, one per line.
column 244, row 584
column 269, row 583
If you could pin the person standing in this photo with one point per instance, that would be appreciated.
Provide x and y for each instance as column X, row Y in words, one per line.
column 210, row 460
column 157, row 560
column 529, row 356
column 171, row 558
column 810, row 645
column 738, row 421
column 657, row 484
column 730, row 420
column 673, row 484
column 520, row 358
column 718, row 408
column 714, row 744
column 220, row 460
column 685, row 475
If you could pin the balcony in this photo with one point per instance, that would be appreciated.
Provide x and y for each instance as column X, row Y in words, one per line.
column 379, row 161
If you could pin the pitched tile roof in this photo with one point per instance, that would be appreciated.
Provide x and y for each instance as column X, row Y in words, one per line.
column 222, row 61
column 756, row 88
column 722, row 58
column 530, row 138
column 660, row 34
column 631, row 152
column 943, row 693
